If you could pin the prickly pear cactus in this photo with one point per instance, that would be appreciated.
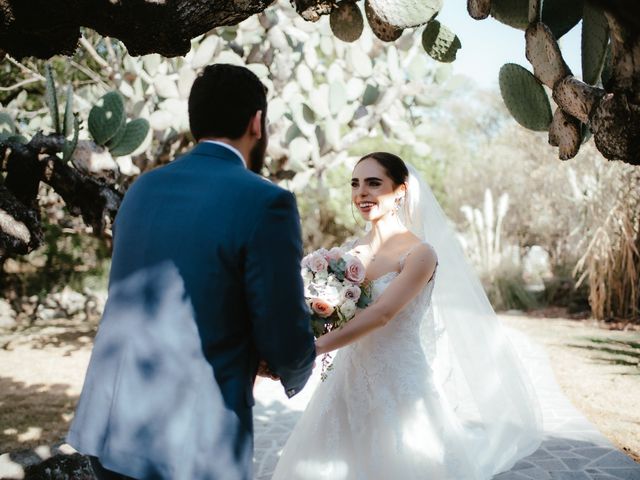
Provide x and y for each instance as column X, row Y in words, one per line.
column 107, row 117
column 132, row 137
column 525, row 97
column 514, row 13
column 381, row 28
column 406, row 13
column 346, row 21
column 440, row 42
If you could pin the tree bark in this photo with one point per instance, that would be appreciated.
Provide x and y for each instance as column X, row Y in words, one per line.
column 27, row 166
column 43, row 28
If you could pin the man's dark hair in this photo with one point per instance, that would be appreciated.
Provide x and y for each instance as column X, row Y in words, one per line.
column 223, row 99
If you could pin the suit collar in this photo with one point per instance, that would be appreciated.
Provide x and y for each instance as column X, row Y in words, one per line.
column 210, row 149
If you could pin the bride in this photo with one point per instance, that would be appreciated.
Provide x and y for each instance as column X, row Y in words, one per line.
column 426, row 385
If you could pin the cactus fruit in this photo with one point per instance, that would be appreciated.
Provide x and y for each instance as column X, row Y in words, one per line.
column 439, row 42
column 514, row 13
column 406, row 13
column 383, row 30
column 525, row 97
column 346, row 21
column 595, row 37
column 106, row 118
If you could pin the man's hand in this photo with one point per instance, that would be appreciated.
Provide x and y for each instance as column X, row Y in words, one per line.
column 264, row 371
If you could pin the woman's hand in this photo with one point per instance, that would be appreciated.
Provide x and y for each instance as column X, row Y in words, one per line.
column 320, row 346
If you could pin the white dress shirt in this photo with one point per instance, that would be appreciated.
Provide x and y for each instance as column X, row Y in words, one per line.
column 230, row 147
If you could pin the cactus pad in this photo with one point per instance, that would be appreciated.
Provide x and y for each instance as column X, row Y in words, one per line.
column 134, row 134
column 346, row 21
column 383, row 30
column 406, row 13
column 595, row 37
column 514, row 13
column 106, row 118
column 439, row 42
column 525, row 97
column 561, row 15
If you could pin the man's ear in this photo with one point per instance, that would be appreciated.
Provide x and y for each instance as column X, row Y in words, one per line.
column 255, row 126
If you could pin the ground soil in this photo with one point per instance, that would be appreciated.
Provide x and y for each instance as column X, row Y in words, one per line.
column 42, row 368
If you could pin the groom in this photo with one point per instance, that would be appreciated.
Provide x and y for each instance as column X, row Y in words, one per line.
column 205, row 284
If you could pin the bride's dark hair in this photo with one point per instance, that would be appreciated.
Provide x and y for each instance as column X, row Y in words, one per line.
column 393, row 165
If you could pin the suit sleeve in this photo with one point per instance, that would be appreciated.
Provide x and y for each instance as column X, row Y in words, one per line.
column 275, row 293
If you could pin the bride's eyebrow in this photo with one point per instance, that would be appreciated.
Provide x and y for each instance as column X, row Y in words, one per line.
column 368, row 179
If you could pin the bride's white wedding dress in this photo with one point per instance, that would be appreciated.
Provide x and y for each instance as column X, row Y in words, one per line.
column 436, row 394
column 379, row 414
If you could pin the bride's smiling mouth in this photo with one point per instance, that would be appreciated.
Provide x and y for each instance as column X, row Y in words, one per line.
column 366, row 207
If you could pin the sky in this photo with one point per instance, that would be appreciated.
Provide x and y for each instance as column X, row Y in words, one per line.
column 488, row 44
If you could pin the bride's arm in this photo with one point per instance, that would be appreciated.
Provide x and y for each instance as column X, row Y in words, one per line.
column 418, row 269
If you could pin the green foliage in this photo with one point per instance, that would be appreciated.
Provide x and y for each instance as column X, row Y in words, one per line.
column 525, row 98
column 595, row 38
column 69, row 121
column 68, row 258
column 70, row 146
column 507, row 291
column 51, row 98
column 439, row 42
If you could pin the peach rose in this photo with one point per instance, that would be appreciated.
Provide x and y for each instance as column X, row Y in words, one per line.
column 321, row 308
column 354, row 270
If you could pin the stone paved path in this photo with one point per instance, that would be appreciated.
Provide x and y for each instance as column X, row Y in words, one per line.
column 573, row 448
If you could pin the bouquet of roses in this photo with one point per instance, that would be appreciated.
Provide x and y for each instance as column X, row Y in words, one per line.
column 334, row 288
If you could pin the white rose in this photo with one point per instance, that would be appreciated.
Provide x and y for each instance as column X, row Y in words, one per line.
column 331, row 295
column 348, row 309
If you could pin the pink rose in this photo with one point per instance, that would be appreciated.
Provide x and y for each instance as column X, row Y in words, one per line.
column 306, row 261
column 354, row 270
column 334, row 254
column 352, row 292
column 317, row 263
column 321, row 308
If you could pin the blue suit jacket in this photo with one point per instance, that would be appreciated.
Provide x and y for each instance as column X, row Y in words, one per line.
column 205, row 281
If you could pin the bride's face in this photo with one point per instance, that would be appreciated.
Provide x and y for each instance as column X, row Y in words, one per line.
column 372, row 190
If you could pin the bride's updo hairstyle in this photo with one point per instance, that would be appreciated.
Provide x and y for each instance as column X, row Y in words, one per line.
column 392, row 164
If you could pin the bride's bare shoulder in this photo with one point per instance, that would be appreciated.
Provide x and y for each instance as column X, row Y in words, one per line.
column 421, row 256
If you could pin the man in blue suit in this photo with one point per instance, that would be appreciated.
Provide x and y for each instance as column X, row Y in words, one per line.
column 204, row 286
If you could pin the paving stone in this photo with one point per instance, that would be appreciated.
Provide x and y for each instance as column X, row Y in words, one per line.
column 576, row 463
column 569, row 476
column 615, row 459
column 623, row 473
